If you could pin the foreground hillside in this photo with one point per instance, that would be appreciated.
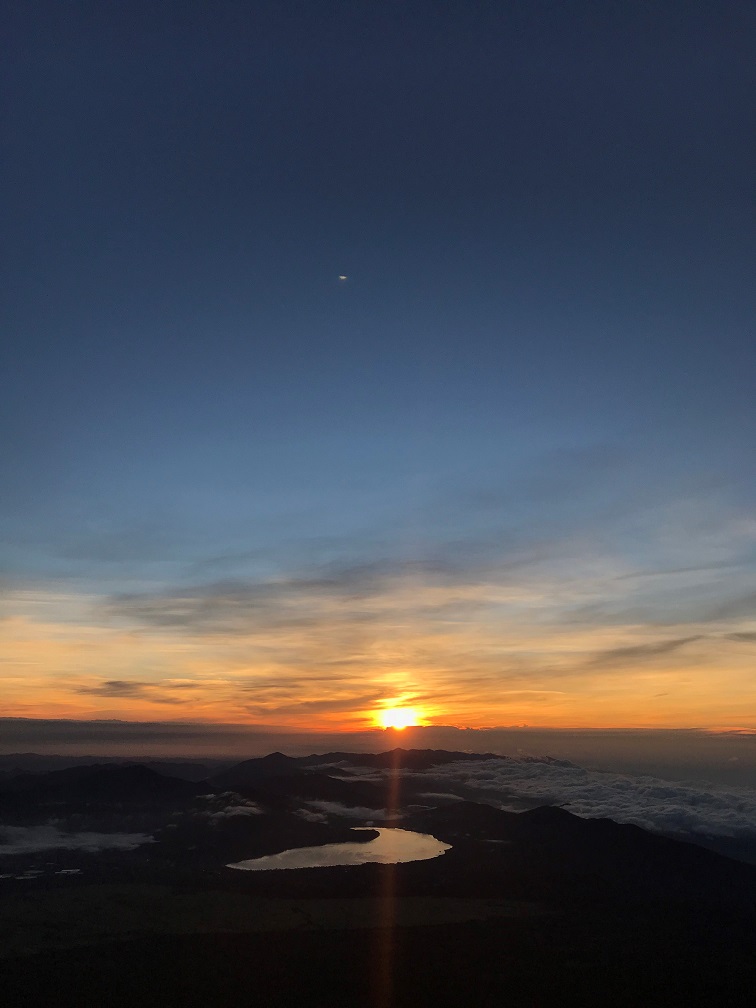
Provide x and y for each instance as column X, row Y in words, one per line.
column 116, row 888
column 588, row 958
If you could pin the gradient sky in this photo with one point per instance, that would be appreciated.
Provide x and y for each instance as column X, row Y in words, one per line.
column 503, row 472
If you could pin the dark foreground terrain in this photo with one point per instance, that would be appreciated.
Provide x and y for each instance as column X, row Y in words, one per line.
column 538, row 908
column 632, row 959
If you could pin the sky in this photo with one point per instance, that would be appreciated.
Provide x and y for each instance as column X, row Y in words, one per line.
column 502, row 473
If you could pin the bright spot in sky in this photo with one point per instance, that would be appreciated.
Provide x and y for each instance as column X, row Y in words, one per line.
column 398, row 717
column 342, row 277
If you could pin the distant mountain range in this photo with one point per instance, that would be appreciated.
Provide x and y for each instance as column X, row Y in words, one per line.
column 335, row 788
column 99, row 783
column 16, row 763
column 543, row 844
column 253, row 770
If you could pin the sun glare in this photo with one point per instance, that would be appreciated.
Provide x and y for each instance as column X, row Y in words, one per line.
column 399, row 717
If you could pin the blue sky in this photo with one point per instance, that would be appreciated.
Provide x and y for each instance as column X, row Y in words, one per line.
column 536, row 379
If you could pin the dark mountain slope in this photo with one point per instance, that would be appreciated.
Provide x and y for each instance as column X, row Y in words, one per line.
column 308, row 785
column 252, row 771
column 549, row 850
column 99, row 784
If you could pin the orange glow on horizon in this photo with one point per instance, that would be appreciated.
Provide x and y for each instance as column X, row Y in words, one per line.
column 62, row 659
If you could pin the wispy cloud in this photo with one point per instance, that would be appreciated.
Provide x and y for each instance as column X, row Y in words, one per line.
column 639, row 652
column 675, row 571
column 239, row 606
column 116, row 688
column 499, row 622
column 129, row 689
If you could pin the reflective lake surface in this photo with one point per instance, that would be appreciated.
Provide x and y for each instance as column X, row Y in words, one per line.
column 391, row 846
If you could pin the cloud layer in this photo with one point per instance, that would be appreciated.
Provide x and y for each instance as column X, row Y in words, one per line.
column 556, row 639
column 658, row 805
column 27, row 839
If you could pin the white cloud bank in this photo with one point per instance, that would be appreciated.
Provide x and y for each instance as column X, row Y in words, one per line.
column 658, row 805
column 228, row 805
column 28, row 839
column 347, row 811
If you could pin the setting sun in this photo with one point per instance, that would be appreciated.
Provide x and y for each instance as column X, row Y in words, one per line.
column 399, row 717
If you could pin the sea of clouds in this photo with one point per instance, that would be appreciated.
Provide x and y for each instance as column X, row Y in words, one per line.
column 659, row 805
column 663, row 806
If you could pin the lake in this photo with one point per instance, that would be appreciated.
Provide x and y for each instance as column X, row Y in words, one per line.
column 391, row 846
